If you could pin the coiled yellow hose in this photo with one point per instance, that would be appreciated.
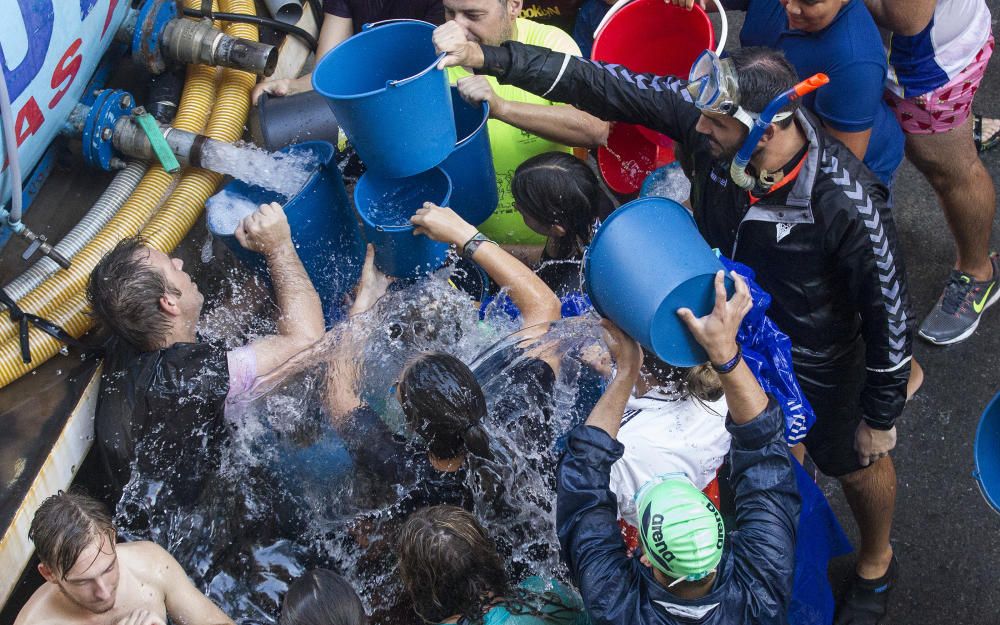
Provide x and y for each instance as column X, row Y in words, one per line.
column 221, row 115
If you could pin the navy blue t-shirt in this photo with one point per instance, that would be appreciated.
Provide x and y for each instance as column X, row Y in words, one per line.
column 850, row 52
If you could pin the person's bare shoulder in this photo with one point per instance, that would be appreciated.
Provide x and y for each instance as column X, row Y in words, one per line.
column 149, row 562
column 39, row 609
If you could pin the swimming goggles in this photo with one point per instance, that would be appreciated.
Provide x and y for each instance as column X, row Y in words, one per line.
column 713, row 88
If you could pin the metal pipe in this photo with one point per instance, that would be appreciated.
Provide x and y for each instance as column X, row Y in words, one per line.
column 129, row 139
column 198, row 42
column 286, row 11
column 10, row 146
column 106, row 206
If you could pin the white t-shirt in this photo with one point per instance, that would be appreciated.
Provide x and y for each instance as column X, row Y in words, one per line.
column 665, row 435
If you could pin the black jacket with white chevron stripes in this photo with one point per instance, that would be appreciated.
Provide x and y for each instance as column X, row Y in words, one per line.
column 828, row 253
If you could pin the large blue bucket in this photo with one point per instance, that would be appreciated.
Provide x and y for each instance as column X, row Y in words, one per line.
column 385, row 206
column 473, row 178
column 646, row 261
column 389, row 97
column 324, row 228
column 987, row 450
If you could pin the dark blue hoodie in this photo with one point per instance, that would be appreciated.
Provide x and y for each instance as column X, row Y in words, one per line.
column 754, row 579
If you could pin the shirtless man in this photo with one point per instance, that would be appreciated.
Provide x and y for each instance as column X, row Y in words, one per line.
column 90, row 580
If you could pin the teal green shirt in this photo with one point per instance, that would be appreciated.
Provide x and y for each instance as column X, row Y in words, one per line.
column 552, row 614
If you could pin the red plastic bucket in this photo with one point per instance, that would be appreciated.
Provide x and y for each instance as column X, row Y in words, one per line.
column 630, row 156
column 656, row 37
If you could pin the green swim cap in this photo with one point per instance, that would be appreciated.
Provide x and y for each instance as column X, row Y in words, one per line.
column 681, row 531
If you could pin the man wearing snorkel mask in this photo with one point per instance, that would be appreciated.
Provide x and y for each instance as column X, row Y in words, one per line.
column 689, row 570
column 805, row 214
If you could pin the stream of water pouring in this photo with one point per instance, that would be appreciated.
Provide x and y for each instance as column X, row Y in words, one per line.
column 283, row 172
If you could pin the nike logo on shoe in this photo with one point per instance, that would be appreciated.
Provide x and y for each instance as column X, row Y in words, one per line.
column 978, row 306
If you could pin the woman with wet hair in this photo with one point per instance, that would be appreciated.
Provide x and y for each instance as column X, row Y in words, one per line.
column 322, row 597
column 442, row 401
column 452, row 573
column 674, row 422
column 559, row 196
column 445, row 406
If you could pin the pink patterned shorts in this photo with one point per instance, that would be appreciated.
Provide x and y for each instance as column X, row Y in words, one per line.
column 946, row 107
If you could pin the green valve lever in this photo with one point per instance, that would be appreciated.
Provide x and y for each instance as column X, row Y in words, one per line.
column 156, row 139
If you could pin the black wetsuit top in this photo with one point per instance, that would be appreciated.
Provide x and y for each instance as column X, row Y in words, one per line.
column 161, row 413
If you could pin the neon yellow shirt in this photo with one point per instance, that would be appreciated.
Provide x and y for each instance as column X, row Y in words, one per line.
column 512, row 146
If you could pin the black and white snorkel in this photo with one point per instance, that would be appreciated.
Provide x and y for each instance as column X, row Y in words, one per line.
column 738, row 168
column 714, row 89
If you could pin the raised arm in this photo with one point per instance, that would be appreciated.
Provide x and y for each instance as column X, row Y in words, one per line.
column 627, row 356
column 335, row 30
column 763, row 479
column 300, row 313
column 536, row 301
column 586, row 508
column 716, row 332
column 562, row 123
column 607, row 91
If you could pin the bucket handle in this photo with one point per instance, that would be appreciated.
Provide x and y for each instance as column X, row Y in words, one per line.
column 403, row 81
column 617, row 6
column 400, row 20
column 370, row 25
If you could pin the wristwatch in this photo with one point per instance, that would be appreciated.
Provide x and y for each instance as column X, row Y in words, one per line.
column 473, row 244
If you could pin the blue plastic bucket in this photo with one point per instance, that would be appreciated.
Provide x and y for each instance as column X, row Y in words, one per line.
column 987, row 451
column 324, row 228
column 389, row 97
column 473, row 178
column 646, row 261
column 385, row 206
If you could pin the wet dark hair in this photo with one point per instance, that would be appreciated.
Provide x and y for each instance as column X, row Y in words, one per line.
column 322, row 597
column 762, row 74
column 66, row 524
column 124, row 293
column 449, row 565
column 445, row 405
column 558, row 189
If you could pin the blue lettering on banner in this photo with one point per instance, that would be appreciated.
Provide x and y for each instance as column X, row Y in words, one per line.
column 86, row 6
column 37, row 17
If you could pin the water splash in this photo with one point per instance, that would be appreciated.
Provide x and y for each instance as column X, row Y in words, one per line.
column 283, row 172
column 286, row 498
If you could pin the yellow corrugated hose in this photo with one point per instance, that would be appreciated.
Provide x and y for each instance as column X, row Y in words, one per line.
column 219, row 113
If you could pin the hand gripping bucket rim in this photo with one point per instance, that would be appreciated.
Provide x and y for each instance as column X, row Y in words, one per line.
column 987, row 452
column 638, row 150
column 661, row 330
column 391, row 259
column 389, row 83
column 323, row 226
